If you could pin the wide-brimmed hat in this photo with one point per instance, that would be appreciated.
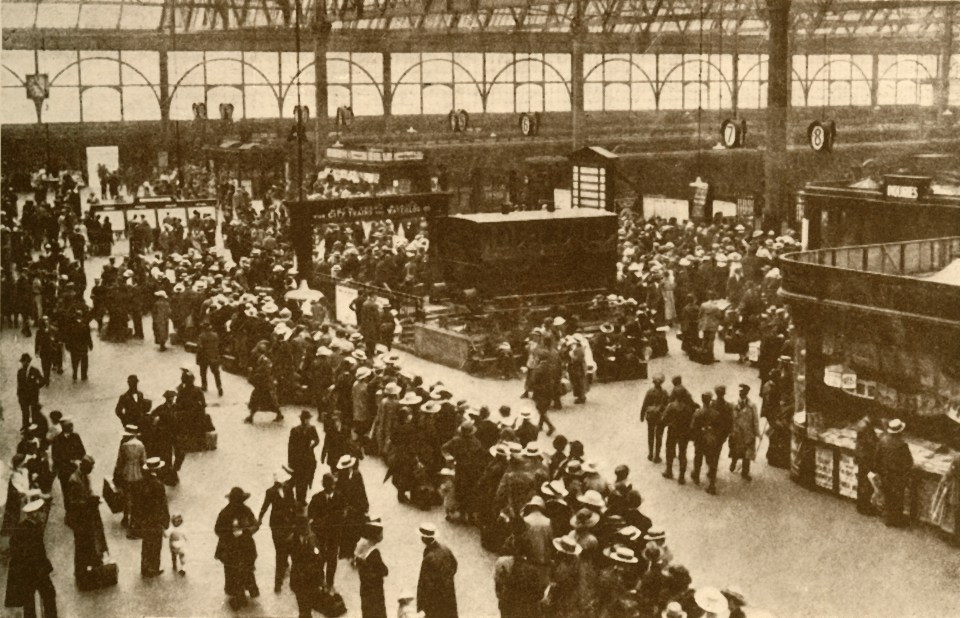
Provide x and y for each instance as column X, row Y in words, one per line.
column 711, row 600
column 631, row 533
column 153, row 464
column 592, row 499
column 237, row 495
column 536, row 502
column 346, row 461
column 431, row 407
column 584, row 518
column 606, row 328
column 621, row 554
column 324, row 351
column 896, row 426
column 467, row 428
column 500, row 450
column 526, row 413
column 363, row 373
column 410, row 399
column 567, row 545
column 554, row 489
column 32, row 506
column 392, row 388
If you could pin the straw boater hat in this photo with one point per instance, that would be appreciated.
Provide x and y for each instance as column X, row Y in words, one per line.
column 392, row 389
column 621, row 554
column 896, row 426
column 427, row 531
column 567, row 545
column 631, row 533
column 410, row 399
column 32, row 506
column 347, row 461
column 500, row 450
column 431, row 407
column 130, row 430
column 532, row 451
column 363, row 373
column 711, row 601
column 153, row 464
column 554, row 489
column 673, row 610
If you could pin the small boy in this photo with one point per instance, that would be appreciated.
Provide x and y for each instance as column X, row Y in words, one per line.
column 178, row 545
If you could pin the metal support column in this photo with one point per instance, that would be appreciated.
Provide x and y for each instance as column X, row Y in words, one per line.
column 776, row 194
column 577, row 30
column 387, row 91
column 321, row 118
column 946, row 54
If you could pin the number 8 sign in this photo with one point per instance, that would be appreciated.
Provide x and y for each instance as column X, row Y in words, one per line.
column 820, row 135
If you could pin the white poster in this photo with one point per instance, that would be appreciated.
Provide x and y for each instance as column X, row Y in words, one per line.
column 562, row 199
column 346, row 295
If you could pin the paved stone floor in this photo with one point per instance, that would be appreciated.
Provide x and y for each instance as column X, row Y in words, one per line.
column 794, row 552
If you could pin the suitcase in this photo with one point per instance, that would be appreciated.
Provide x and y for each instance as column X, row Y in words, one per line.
column 330, row 604
column 113, row 497
column 210, row 441
column 190, row 346
column 95, row 578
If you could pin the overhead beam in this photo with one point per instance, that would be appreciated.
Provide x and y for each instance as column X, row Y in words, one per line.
column 281, row 39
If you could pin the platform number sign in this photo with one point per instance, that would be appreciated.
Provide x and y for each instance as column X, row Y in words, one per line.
column 733, row 133
column 529, row 124
column 820, row 135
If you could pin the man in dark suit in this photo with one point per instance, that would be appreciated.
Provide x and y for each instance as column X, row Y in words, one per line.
column 301, row 457
column 76, row 337
column 29, row 382
column 279, row 498
column 369, row 324
column 131, row 405
column 153, row 519
column 326, row 520
column 67, row 450
column 208, row 355
column 355, row 504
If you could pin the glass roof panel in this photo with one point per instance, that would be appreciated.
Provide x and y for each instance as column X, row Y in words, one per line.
column 18, row 14
column 99, row 16
column 57, row 15
column 138, row 17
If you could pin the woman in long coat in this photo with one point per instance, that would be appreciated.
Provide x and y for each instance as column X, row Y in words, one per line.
column 90, row 543
column 161, row 319
column 372, row 571
column 236, row 548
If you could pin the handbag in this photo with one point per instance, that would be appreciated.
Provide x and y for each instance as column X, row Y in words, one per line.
column 113, row 497
column 330, row 604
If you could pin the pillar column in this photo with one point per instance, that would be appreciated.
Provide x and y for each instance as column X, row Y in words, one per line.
column 576, row 91
column 321, row 118
column 776, row 193
column 735, row 81
column 387, row 91
column 946, row 53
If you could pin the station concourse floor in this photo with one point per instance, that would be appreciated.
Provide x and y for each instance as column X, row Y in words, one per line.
column 792, row 551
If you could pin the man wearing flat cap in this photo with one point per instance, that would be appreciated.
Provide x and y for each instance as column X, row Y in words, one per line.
column 745, row 433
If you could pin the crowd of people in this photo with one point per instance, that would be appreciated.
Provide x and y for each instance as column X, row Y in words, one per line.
column 570, row 541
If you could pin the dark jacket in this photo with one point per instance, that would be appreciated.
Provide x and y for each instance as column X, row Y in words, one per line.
column 372, row 572
column 436, row 591
column 236, row 551
column 66, row 449
column 152, row 502
column 208, row 348
column 326, row 516
column 300, row 453
column 281, row 500
column 28, row 563
column 29, row 381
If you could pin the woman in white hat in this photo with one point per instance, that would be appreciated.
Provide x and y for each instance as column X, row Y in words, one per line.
column 562, row 598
